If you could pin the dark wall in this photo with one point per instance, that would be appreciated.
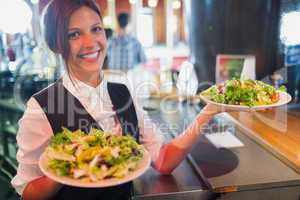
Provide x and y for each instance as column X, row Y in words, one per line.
column 232, row 27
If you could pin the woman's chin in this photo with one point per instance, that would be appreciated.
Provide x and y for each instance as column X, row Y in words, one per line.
column 87, row 68
column 92, row 70
column 95, row 66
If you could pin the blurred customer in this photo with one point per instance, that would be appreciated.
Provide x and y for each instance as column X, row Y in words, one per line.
column 124, row 50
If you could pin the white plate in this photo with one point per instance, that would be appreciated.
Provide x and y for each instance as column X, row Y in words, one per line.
column 142, row 167
column 284, row 98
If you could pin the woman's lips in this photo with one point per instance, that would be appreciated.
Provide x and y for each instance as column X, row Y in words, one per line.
column 90, row 57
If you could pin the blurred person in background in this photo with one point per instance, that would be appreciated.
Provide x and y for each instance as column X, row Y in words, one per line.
column 124, row 50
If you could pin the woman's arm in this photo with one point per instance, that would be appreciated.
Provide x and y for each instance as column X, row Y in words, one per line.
column 33, row 137
column 41, row 189
column 173, row 153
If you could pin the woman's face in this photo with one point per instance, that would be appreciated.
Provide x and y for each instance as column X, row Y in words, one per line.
column 87, row 41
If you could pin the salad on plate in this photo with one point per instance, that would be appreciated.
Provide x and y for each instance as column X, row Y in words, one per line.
column 92, row 157
column 248, row 93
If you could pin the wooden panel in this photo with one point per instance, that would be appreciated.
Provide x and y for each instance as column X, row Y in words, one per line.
column 122, row 6
column 182, row 23
column 103, row 7
column 160, row 22
column 277, row 130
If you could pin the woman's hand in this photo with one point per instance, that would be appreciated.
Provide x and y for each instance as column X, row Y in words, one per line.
column 41, row 189
column 211, row 109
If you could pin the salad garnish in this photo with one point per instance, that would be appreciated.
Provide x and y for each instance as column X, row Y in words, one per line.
column 243, row 92
column 94, row 156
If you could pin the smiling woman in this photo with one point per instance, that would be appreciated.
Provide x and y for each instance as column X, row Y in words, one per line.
column 87, row 45
column 82, row 43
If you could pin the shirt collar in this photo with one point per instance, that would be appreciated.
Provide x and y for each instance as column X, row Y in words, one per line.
column 123, row 38
column 81, row 89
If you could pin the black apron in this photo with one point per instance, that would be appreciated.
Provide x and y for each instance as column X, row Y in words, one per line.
column 64, row 110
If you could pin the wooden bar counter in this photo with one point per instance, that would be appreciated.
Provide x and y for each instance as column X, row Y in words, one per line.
column 277, row 130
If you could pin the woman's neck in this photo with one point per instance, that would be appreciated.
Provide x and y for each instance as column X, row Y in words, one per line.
column 122, row 32
column 93, row 79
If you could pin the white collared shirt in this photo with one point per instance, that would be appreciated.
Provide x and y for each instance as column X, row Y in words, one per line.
column 35, row 132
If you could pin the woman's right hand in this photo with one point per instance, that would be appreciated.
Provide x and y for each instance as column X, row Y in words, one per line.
column 41, row 188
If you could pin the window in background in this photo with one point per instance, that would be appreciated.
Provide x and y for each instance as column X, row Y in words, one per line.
column 290, row 32
column 15, row 16
column 290, row 37
column 145, row 27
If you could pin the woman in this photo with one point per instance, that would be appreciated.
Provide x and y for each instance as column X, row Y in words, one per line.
column 74, row 29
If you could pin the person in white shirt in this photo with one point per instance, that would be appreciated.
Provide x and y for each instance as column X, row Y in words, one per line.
column 74, row 30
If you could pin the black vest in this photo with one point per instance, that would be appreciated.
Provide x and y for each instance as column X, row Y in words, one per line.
column 64, row 110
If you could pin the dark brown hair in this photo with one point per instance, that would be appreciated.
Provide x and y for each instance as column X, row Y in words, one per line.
column 123, row 20
column 56, row 21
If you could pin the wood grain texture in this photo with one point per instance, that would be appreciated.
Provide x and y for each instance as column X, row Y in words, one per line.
column 277, row 130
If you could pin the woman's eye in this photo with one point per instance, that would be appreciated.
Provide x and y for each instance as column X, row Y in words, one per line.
column 73, row 35
column 97, row 29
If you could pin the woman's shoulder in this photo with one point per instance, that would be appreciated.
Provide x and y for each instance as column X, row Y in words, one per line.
column 48, row 90
column 116, row 85
column 49, row 93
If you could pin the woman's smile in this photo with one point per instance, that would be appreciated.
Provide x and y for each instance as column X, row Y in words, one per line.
column 92, row 56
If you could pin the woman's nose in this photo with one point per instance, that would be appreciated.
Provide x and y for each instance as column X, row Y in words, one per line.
column 88, row 41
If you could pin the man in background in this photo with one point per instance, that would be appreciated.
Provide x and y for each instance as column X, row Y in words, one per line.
column 124, row 50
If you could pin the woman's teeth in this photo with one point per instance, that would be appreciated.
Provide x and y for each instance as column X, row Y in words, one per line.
column 93, row 55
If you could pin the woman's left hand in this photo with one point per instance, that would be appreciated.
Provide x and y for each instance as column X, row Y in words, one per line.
column 211, row 109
